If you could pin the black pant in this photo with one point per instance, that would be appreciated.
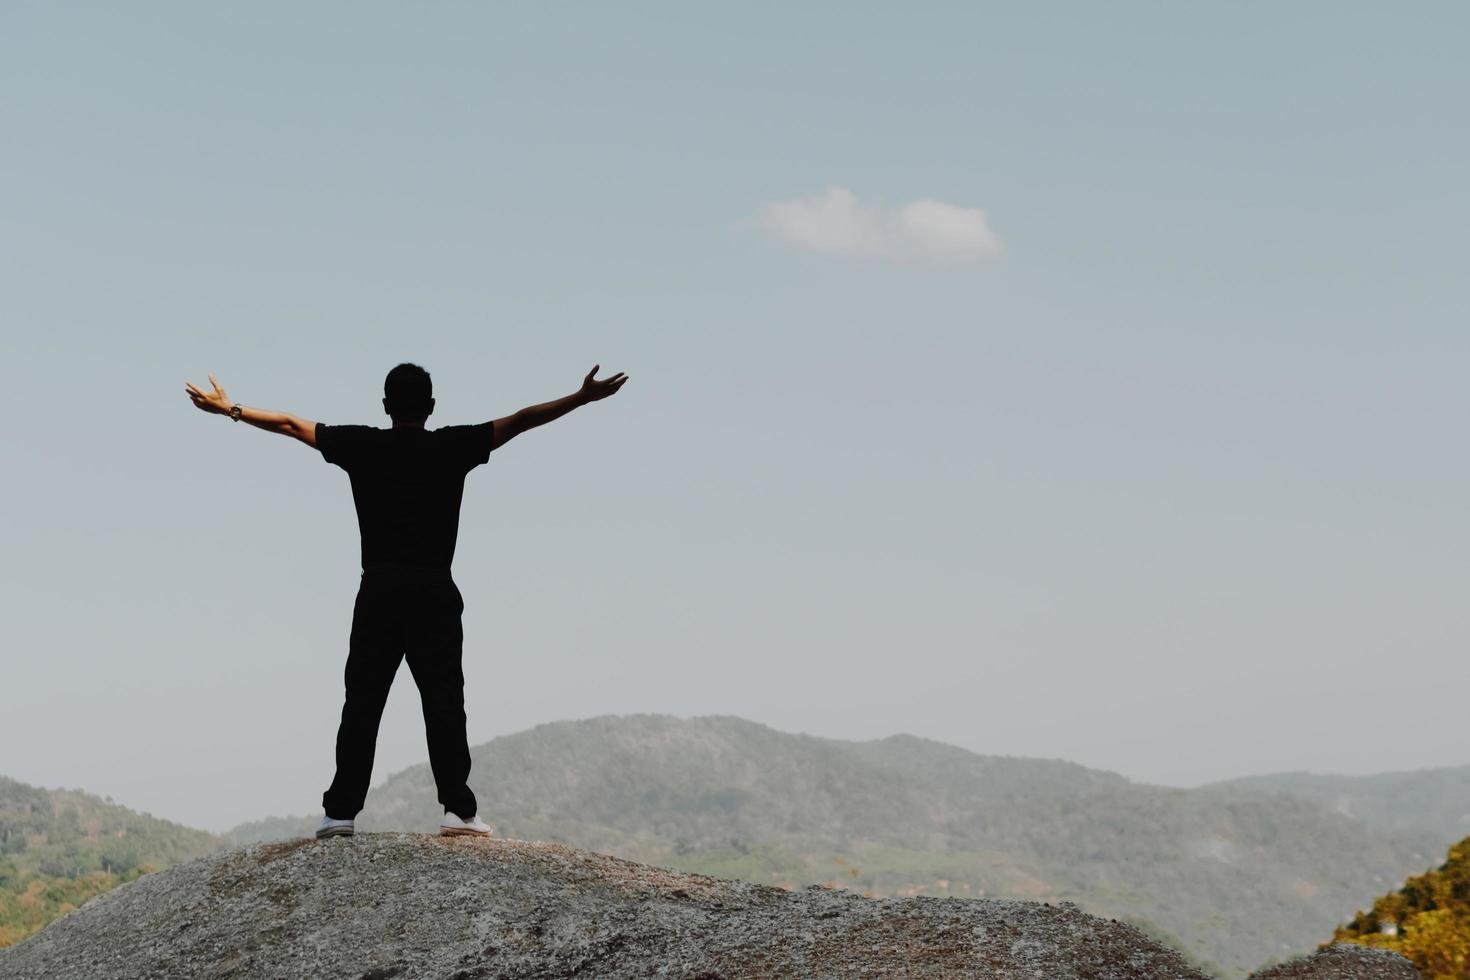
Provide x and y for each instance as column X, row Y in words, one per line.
column 398, row 614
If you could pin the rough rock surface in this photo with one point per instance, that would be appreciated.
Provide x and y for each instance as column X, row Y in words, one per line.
column 379, row 906
column 1343, row 961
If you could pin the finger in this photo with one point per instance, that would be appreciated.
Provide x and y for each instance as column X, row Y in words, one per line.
column 217, row 388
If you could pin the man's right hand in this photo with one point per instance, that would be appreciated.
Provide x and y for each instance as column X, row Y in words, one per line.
column 595, row 390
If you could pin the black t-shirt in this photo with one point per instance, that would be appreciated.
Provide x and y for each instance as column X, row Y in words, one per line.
column 407, row 484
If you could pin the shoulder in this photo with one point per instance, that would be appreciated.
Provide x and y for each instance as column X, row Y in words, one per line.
column 337, row 442
column 463, row 431
column 470, row 444
column 345, row 432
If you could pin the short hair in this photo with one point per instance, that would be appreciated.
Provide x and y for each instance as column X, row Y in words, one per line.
column 408, row 391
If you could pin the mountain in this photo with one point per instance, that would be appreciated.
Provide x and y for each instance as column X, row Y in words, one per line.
column 1429, row 808
column 408, row 905
column 1241, row 876
column 59, row 847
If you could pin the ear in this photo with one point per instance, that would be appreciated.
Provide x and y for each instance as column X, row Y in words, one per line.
column 385, row 407
column 431, row 408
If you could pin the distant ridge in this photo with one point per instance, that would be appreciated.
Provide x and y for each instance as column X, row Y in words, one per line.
column 1428, row 807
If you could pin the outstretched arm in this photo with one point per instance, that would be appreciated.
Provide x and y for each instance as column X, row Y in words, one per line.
column 217, row 403
column 533, row 415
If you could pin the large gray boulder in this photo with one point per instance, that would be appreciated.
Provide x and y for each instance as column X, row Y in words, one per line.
column 394, row 905
column 1343, row 961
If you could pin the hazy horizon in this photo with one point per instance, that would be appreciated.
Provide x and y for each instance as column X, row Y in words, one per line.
column 380, row 776
column 1077, row 382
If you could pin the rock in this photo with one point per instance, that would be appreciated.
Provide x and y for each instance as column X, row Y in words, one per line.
column 1343, row 961
column 393, row 905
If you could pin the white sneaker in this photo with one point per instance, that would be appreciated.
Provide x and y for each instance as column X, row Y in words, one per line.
column 334, row 828
column 452, row 826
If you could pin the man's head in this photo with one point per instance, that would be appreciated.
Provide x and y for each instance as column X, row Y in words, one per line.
column 408, row 395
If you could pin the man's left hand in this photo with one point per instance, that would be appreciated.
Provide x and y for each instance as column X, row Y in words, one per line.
column 215, row 402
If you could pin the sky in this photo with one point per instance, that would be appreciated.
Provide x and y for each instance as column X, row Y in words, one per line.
column 1062, row 380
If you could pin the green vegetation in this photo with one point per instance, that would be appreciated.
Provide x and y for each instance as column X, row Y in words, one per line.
column 29, row 901
column 1428, row 920
column 59, row 848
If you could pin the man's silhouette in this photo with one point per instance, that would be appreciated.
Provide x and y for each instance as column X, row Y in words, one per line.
column 407, row 482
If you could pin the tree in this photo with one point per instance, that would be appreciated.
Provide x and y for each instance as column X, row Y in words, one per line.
column 1427, row 920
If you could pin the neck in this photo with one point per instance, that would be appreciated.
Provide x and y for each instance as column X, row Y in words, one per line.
column 407, row 425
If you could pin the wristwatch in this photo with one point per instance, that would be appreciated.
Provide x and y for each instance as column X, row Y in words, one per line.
column 235, row 412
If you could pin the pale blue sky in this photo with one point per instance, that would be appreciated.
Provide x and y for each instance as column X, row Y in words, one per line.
column 1173, row 485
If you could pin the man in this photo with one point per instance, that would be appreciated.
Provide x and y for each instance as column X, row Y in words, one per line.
column 407, row 483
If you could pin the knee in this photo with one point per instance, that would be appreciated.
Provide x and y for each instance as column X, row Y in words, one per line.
column 445, row 710
column 366, row 698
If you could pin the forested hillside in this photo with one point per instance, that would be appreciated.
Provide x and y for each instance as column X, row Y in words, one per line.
column 60, row 847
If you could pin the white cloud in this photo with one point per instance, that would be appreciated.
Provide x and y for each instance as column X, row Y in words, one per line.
column 835, row 222
column 830, row 222
column 948, row 229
